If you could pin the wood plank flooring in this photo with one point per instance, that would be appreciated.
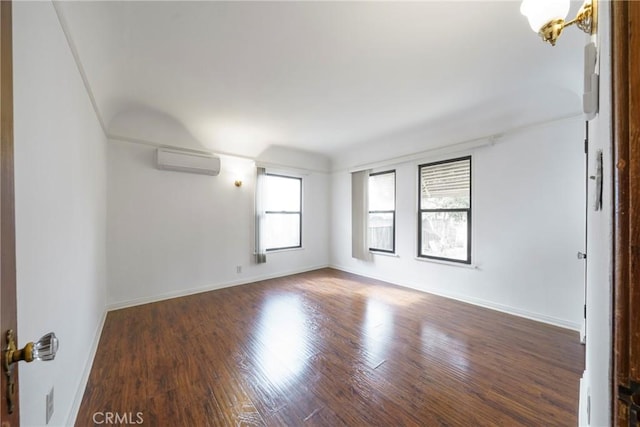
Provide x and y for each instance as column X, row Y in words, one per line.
column 327, row 348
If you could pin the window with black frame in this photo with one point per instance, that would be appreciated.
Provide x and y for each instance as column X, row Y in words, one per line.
column 283, row 212
column 445, row 210
column 382, row 211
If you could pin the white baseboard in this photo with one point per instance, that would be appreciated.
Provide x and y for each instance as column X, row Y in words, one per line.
column 73, row 413
column 77, row 401
column 562, row 323
column 212, row 287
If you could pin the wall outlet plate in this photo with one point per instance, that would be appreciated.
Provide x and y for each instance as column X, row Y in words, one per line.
column 49, row 405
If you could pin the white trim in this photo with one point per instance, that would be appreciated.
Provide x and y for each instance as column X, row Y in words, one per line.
column 550, row 320
column 449, row 149
column 139, row 141
column 192, row 291
column 444, row 262
column 76, row 58
column 584, row 402
column 275, row 251
column 389, row 254
column 292, row 170
column 278, row 168
column 440, row 152
column 73, row 413
column 445, row 149
column 113, row 137
column 283, row 171
column 93, row 349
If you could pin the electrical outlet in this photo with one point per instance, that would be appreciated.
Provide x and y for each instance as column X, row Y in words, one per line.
column 238, row 269
column 49, row 405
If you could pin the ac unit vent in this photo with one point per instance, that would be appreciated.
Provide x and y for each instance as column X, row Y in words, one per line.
column 183, row 161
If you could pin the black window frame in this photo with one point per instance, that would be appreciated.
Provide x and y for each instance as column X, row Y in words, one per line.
column 369, row 212
column 299, row 212
column 467, row 210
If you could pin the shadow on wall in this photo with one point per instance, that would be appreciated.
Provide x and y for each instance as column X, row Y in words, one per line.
column 279, row 155
column 147, row 125
column 484, row 118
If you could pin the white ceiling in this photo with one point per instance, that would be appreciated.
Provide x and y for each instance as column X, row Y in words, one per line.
column 239, row 77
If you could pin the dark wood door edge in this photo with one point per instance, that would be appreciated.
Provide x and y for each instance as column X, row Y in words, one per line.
column 626, row 190
column 7, row 215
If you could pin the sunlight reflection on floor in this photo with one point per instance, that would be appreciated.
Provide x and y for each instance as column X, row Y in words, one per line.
column 445, row 347
column 283, row 332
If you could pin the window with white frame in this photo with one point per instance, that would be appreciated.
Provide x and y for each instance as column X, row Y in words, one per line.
column 444, row 221
column 283, row 212
column 382, row 211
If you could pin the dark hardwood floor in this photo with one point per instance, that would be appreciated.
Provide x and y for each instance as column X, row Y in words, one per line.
column 330, row 348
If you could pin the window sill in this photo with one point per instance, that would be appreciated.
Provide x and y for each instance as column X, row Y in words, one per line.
column 275, row 251
column 389, row 254
column 451, row 263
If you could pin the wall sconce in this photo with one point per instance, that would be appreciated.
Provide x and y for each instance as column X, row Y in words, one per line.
column 547, row 17
column 237, row 183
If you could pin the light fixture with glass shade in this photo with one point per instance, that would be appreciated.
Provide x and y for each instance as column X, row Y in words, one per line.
column 547, row 17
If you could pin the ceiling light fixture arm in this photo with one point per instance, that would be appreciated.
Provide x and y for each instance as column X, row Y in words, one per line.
column 585, row 20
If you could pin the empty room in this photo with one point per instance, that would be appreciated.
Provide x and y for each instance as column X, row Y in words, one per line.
column 319, row 213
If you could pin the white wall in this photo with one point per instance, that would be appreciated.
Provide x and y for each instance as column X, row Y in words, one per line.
column 173, row 233
column 60, row 179
column 597, row 378
column 528, row 224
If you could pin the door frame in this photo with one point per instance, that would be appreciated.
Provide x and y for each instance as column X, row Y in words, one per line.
column 626, row 191
column 625, row 45
column 8, row 310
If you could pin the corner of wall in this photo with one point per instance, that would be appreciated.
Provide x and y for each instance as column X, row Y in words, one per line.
column 84, row 379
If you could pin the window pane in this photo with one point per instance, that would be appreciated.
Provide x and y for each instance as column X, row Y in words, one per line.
column 381, row 231
column 444, row 235
column 282, row 231
column 446, row 185
column 282, row 194
column 382, row 192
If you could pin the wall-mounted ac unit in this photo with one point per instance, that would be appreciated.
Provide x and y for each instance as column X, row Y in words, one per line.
column 184, row 161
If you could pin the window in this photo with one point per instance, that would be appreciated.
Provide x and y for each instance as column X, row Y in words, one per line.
column 445, row 210
column 382, row 211
column 283, row 212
